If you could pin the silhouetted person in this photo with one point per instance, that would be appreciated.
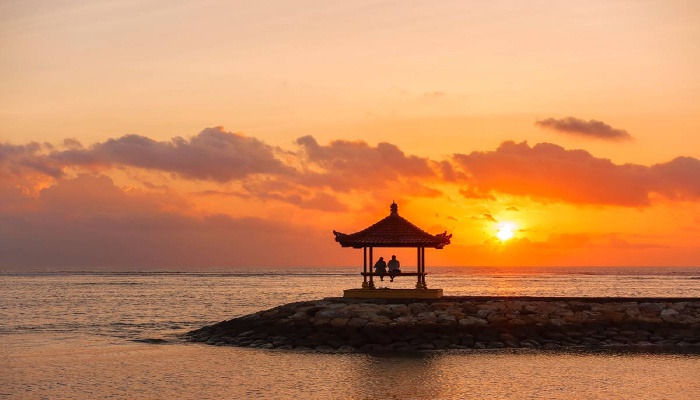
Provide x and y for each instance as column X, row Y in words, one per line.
column 394, row 267
column 380, row 267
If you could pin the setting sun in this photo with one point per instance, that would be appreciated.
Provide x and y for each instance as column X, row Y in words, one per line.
column 505, row 231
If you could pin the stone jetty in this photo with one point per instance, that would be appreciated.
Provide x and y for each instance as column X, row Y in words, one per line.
column 362, row 325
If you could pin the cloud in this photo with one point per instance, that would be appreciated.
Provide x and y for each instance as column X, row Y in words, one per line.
column 475, row 193
column 550, row 172
column 213, row 154
column 290, row 192
column 72, row 144
column 88, row 222
column 488, row 217
column 306, row 177
column 347, row 165
column 678, row 178
column 593, row 129
column 447, row 171
column 27, row 159
column 317, row 176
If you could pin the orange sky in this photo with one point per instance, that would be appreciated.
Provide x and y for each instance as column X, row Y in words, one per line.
column 576, row 122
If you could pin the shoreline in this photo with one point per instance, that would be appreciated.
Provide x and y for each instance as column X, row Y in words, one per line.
column 464, row 322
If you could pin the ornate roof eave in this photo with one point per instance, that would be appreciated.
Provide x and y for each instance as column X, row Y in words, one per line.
column 392, row 231
column 441, row 240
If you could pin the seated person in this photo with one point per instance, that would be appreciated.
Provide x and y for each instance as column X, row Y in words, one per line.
column 394, row 267
column 380, row 267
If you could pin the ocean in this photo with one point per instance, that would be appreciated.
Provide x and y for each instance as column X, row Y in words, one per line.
column 90, row 335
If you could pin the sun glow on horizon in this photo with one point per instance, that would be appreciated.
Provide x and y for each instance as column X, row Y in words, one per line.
column 505, row 231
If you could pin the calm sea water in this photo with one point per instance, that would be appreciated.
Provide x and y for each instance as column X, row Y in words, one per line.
column 75, row 335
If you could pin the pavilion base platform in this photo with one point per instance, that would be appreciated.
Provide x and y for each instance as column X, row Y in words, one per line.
column 392, row 293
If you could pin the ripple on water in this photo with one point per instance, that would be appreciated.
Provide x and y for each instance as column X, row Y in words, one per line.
column 99, row 370
column 69, row 336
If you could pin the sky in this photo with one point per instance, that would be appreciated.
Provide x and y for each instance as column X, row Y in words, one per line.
column 213, row 134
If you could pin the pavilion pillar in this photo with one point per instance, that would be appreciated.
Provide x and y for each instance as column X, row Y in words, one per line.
column 422, row 258
column 418, row 270
column 371, row 265
column 365, row 285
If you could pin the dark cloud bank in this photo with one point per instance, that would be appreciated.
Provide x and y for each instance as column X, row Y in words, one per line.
column 214, row 154
column 578, row 127
column 89, row 222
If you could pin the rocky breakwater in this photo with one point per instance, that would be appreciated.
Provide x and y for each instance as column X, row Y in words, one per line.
column 347, row 325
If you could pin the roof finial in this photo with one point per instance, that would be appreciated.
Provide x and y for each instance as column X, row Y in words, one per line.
column 394, row 208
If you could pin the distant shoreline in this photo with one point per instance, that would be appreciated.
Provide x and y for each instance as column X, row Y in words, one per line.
column 689, row 271
column 465, row 322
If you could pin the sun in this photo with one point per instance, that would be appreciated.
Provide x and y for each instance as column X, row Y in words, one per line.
column 505, row 231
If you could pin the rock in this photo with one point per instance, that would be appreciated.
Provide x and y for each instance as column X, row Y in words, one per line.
column 651, row 308
column 679, row 306
column 381, row 320
column 487, row 335
column 588, row 341
column 551, row 346
column 490, row 306
column 400, row 345
column 428, row 315
column 654, row 320
column 633, row 311
column 438, row 344
column 669, row 315
column 468, row 321
column 514, row 305
column 495, row 318
column 446, row 319
column 368, row 325
column 329, row 314
column 442, row 305
column 529, row 343
column 151, row 341
column 556, row 322
column 615, row 316
column 405, row 321
column 357, row 322
column 321, row 322
column 399, row 309
column 426, row 346
column 339, row 322
column 417, row 308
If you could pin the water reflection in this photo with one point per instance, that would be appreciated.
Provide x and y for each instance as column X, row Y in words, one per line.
column 68, row 336
column 182, row 371
column 409, row 375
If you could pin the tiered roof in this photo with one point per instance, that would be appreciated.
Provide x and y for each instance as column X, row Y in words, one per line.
column 392, row 231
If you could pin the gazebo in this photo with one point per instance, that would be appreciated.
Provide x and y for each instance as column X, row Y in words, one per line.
column 392, row 231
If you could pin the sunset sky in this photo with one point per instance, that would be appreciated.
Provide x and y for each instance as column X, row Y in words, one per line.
column 209, row 134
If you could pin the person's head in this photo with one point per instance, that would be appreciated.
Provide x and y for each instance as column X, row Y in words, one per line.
column 381, row 258
column 393, row 257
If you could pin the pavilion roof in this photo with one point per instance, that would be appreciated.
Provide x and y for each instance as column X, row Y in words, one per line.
column 392, row 231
